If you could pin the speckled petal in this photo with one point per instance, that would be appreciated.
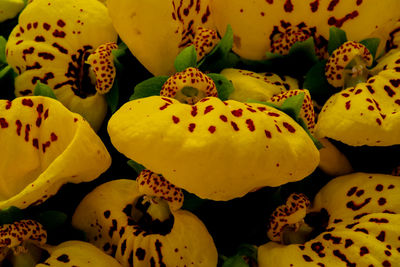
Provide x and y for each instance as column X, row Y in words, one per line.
column 152, row 184
column 44, row 146
column 204, row 41
column 189, row 78
column 307, row 109
column 256, row 23
column 362, row 229
column 156, row 31
column 78, row 253
column 257, row 86
column 341, row 58
column 12, row 235
column 367, row 114
column 214, row 149
column 101, row 62
column 104, row 215
column 292, row 212
column 52, row 47
column 282, row 42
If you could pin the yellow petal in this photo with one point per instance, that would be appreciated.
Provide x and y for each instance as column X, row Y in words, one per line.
column 104, row 215
column 101, row 62
column 156, row 31
column 52, row 47
column 44, row 146
column 307, row 113
column 292, row 212
column 214, row 149
column 10, row 8
column 257, row 86
column 78, row 253
column 367, row 114
column 152, row 184
column 190, row 78
column 341, row 58
column 204, row 41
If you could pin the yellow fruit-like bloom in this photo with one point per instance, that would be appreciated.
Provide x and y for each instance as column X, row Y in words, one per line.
column 44, row 146
column 368, row 113
column 157, row 30
column 53, row 48
column 106, row 216
column 258, row 25
column 361, row 215
column 214, row 149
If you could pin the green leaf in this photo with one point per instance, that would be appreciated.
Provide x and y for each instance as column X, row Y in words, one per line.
column 136, row 166
column 44, row 90
column 316, row 83
column 10, row 215
column 337, row 37
column 149, row 87
column 191, row 201
column 292, row 105
column 372, row 45
column 112, row 97
column 220, row 57
column 52, row 219
column 186, row 58
column 305, row 49
column 120, row 51
column 3, row 43
column 224, row 86
column 246, row 253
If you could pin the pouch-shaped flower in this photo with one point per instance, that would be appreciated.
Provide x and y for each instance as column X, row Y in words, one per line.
column 367, row 113
column 44, row 146
column 215, row 149
column 108, row 215
column 356, row 218
column 157, row 30
column 53, row 48
column 274, row 26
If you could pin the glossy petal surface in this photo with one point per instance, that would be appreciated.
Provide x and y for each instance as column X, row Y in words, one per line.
column 214, row 149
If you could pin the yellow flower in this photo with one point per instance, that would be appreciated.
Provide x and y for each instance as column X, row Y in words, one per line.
column 44, row 146
column 111, row 218
column 66, row 51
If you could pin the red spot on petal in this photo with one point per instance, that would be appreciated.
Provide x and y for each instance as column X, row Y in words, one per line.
column 208, row 109
column 250, row 125
column 175, row 119
column 27, row 102
column 237, row 112
column 267, row 134
column 35, row 143
column 53, row 137
column 191, row 127
column 211, row 129
column 223, row 118
column 3, row 123
column 289, row 127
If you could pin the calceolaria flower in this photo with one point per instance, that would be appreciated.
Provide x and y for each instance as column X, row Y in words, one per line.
column 367, row 113
column 44, row 146
column 215, row 149
column 141, row 230
column 68, row 50
column 352, row 221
